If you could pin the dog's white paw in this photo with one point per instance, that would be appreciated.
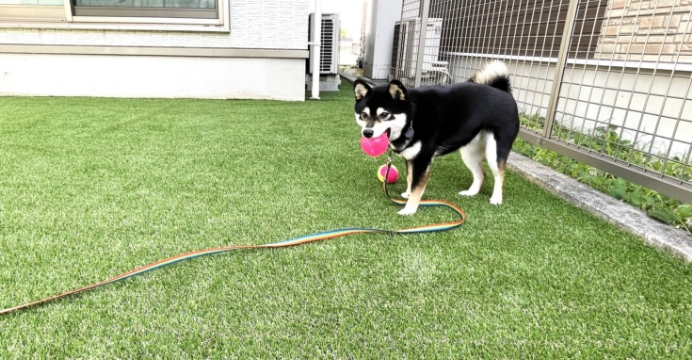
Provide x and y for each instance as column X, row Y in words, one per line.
column 404, row 195
column 496, row 200
column 469, row 192
column 407, row 211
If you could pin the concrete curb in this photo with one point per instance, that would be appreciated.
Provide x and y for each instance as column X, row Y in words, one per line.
column 660, row 235
column 347, row 77
column 350, row 78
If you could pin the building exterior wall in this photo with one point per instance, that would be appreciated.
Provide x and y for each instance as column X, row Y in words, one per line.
column 640, row 30
column 125, row 63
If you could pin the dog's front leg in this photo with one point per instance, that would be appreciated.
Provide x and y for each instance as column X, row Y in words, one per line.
column 418, row 171
column 409, row 176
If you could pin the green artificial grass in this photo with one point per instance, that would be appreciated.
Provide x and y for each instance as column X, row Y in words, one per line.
column 90, row 188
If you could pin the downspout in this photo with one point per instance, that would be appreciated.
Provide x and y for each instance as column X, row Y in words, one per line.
column 316, row 45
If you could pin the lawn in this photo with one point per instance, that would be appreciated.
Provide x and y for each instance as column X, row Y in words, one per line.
column 90, row 188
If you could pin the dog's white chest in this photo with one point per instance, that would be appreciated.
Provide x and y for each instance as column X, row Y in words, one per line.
column 411, row 152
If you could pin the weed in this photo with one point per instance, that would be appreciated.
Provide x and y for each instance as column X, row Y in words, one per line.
column 607, row 140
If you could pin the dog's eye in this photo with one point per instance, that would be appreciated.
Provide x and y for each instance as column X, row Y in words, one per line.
column 364, row 115
column 384, row 115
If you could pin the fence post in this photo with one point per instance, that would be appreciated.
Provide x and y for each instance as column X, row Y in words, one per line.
column 421, row 42
column 560, row 69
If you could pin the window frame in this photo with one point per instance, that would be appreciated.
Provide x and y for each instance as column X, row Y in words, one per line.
column 64, row 17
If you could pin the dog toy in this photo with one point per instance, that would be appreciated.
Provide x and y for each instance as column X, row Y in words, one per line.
column 375, row 146
column 393, row 174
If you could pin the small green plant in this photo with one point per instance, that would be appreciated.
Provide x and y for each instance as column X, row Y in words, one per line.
column 607, row 140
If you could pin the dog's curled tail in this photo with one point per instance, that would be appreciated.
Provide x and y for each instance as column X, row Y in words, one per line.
column 493, row 74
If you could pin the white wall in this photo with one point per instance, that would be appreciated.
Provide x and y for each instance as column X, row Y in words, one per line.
column 588, row 98
column 152, row 76
column 592, row 99
column 531, row 82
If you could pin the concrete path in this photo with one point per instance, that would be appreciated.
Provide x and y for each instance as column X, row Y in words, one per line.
column 625, row 216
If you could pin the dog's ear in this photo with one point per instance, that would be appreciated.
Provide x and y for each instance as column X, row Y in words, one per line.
column 360, row 89
column 397, row 90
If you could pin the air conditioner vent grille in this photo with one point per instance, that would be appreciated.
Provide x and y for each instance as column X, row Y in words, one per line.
column 329, row 41
column 327, row 50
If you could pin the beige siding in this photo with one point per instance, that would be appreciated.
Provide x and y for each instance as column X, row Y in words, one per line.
column 260, row 24
column 640, row 30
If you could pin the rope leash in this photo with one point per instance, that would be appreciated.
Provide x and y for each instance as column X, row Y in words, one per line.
column 280, row 244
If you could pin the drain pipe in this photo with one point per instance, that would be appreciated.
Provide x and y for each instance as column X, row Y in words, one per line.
column 316, row 45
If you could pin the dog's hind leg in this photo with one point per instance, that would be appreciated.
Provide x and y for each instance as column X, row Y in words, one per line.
column 473, row 155
column 497, row 160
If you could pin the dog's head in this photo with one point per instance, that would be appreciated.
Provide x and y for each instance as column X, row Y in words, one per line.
column 381, row 109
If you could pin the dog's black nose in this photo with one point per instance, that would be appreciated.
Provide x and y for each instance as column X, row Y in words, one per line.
column 368, row 133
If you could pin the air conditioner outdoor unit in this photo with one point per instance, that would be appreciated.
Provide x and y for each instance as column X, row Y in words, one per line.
column 329, row 50
column 405, row 54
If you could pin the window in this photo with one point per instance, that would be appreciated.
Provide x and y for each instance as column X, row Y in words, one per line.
column 193, row 15
column 202, row 9
column 31, row 2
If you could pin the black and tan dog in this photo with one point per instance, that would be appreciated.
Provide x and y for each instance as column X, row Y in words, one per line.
column 479, row 117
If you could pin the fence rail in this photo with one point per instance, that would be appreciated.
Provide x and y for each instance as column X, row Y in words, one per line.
column 606, row 82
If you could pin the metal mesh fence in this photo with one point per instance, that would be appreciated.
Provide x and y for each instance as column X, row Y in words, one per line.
column 626, row 98
column 608, row 82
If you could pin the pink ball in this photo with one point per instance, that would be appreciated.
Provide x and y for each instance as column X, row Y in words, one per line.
column 393, row 174
column 375, row 146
